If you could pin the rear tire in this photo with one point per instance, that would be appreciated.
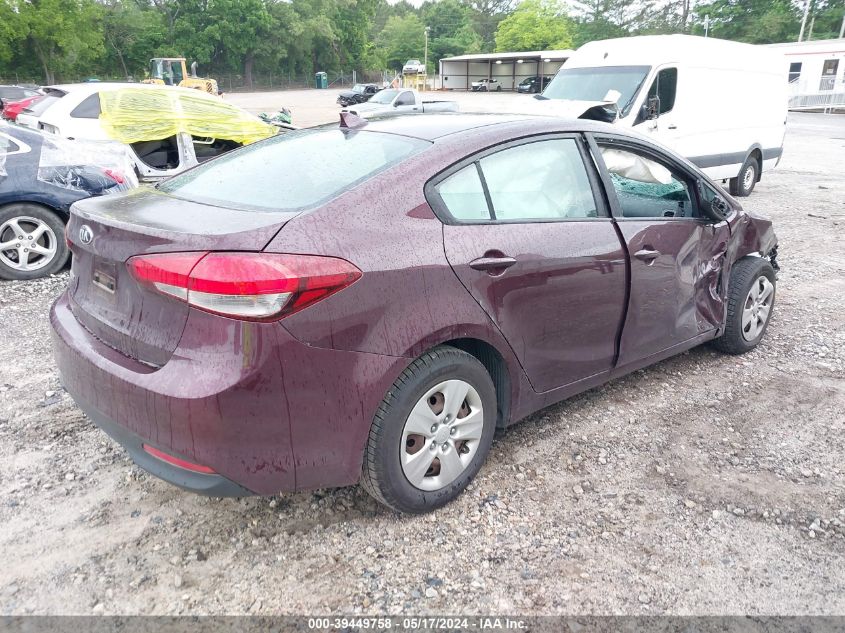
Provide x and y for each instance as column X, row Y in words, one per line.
column 431, row 433
column 748, row 175
column 750, row 303
column 35, row 240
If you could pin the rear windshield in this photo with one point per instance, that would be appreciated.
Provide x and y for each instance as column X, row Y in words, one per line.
column 41, row 104
column 293, row 170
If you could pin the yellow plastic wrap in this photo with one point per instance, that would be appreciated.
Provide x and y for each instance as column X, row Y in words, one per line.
column 131, row 115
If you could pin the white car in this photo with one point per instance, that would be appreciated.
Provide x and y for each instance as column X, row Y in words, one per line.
column 73, row 111
column 486, row 85
column 413, row 67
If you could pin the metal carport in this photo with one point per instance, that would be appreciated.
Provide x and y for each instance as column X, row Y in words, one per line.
column 458, row 73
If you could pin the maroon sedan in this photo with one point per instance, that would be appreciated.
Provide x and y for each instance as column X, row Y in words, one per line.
column 369, row 303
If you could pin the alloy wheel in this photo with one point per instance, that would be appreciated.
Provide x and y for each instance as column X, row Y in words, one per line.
column 758, row 306
column 27, row 244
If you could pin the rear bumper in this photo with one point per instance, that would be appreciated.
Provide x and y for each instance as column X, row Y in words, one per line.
column 264, row 411
column 201, row 483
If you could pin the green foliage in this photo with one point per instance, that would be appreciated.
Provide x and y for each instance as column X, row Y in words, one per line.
column 403, row 38
column 752, row 21
column 535, row 25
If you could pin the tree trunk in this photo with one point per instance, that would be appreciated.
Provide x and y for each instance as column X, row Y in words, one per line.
column 250, row 58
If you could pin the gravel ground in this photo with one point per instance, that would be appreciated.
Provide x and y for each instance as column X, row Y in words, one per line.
column 706, row 484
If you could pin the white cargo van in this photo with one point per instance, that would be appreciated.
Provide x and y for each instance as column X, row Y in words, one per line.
column 720, row 104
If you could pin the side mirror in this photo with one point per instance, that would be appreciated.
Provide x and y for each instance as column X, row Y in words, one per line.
column 652, row 108
column 713, row 205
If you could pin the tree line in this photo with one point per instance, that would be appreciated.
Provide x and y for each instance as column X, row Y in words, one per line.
column 56, row 39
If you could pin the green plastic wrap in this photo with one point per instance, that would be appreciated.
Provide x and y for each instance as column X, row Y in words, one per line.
column 131, row 115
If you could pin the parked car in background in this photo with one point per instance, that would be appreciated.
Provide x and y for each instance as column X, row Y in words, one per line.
column 40, row 177
column 167, row 129
column 11, row 109
column 413, row 67
column 520, row 261
column 16, row 93
column 359, row 94
column 486, row 85
column 720, row 104
column 400, row 101
column 533, row 84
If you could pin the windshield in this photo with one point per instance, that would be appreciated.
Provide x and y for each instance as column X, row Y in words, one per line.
column 358, row 88
column 412, row 62
column 292, row 171
column 385, row 96
column 592, row 84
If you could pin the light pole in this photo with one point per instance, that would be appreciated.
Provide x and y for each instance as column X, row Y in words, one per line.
column 425, row 57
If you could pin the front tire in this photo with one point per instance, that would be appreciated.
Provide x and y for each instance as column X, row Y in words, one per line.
column 750, row 302
column 749, row 174
column 431, row 433
column 32, row 242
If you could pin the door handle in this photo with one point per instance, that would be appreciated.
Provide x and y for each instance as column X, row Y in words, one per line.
column 647, row 255
column 495, row 265
column 672, row 126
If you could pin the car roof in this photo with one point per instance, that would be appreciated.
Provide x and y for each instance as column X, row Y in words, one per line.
column 431, row 127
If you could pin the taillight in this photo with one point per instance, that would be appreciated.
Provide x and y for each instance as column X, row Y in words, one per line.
column 254, row 286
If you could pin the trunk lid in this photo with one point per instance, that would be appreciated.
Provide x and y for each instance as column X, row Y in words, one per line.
column 105, row 232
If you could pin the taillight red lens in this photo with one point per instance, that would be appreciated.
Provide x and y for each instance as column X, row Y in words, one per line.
column 258, row 286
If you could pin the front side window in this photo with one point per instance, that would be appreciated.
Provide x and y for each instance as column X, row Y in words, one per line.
column 645, row 187
column 544, row 180
column 665, row 87
column 293, row 170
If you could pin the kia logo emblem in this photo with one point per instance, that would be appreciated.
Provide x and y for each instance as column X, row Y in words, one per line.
column 86, row 234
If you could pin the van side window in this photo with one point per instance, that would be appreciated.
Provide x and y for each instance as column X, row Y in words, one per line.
column 647, row 188
column 665, row 86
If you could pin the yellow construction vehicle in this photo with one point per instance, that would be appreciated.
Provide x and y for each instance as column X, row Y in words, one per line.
column 171, row 71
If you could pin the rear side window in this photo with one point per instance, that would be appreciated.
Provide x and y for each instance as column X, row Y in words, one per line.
column 544, row 180
column 294, row 170
column 89, row 108
column 665, row 86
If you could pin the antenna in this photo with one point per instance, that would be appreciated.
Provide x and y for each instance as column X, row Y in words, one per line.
column 350, row 120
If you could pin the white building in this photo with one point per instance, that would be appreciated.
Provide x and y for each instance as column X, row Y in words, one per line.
column 509, row 69
column 816, row 72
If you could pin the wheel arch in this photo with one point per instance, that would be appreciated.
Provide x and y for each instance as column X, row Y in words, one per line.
column 62, row 211
column 496, row 366
column 756, row 152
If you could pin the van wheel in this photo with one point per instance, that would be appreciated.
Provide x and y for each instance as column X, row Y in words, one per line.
column 749, row 174
column 431, row 433
column 32, row 242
